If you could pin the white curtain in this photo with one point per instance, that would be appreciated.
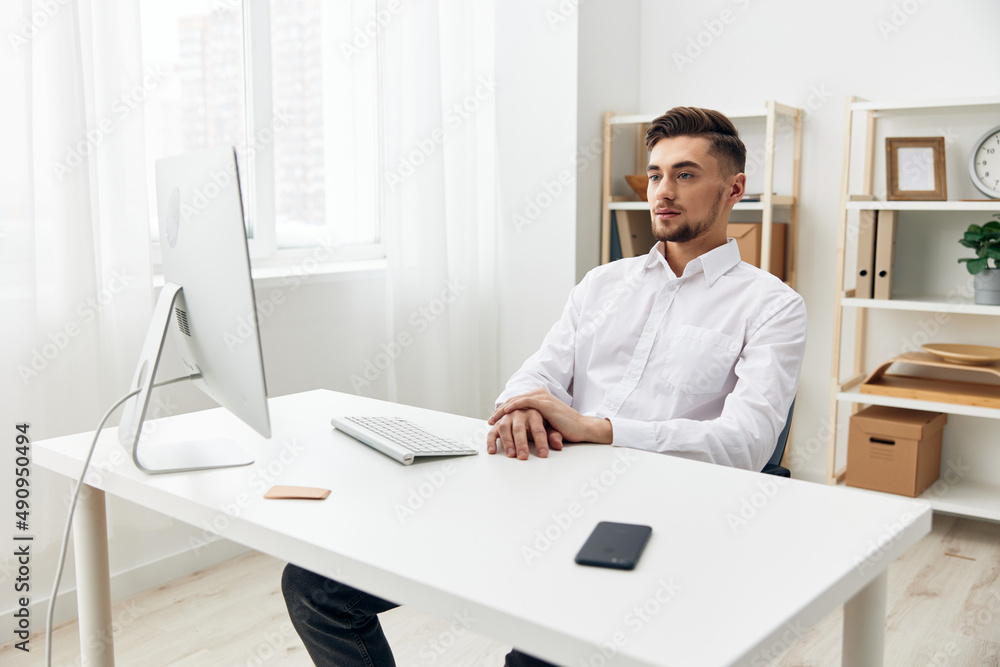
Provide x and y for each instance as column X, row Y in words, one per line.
column 75, row 250
column 439, row 204
column 75, row 287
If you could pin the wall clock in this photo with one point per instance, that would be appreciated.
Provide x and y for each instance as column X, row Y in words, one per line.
column 984, row 163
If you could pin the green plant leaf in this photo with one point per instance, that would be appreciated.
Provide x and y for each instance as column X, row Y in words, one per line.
column 993, row 252
column 992, row 224
column 977, row 265
column 975, row 229
column 968, row 244
column 973, row 237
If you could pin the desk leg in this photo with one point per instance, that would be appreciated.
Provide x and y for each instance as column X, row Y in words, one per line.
column 93, row 579
column 864, row 625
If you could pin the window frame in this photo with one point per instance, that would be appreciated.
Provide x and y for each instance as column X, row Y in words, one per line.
column 259, row 170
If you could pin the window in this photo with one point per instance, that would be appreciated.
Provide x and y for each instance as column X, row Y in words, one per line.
column 273, row 80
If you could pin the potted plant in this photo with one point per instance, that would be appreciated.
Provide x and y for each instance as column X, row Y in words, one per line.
column 985, row 240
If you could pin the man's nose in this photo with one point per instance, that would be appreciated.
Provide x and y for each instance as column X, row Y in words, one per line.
column 664, row 189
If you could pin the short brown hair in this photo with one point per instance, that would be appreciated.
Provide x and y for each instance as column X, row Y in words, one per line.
column 724, row 141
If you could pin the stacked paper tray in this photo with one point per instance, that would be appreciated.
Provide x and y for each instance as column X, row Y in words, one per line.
column 980, row 394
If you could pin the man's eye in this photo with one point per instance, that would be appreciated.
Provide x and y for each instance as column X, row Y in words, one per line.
column 653, row 178
column 684, row 176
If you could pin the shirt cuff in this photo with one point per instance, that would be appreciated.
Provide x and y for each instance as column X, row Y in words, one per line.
column 516, row 390
column 633, row 433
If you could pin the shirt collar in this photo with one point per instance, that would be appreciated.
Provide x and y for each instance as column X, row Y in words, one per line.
column 714, row 263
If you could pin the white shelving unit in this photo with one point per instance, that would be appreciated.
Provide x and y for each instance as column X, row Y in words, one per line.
column 925, row 303
column 918, row 105
column 964, row 497
column 922, row 206
column 977, row 500
column 769, row 201
column 855, row 396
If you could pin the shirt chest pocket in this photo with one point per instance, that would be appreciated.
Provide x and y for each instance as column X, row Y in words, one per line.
column 698, row 361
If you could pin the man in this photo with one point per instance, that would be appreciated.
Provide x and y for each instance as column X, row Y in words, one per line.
column 686, row 351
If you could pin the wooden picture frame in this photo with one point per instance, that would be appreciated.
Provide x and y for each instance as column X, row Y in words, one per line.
column 914, row 169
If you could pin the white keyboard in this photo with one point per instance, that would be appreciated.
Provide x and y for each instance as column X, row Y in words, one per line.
column 399, row 438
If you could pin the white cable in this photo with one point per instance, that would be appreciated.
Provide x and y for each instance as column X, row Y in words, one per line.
column 72, row 508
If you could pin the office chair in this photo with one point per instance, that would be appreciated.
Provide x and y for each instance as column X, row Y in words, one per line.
column 774, row 466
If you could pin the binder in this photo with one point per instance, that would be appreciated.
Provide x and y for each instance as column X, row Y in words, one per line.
column 864, row 287
column 616, row 246
column 635, row 232
column 885, row 241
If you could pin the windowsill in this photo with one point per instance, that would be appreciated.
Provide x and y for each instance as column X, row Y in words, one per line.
column 266, row 277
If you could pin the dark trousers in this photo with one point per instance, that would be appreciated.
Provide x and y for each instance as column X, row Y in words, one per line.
column 339, row 624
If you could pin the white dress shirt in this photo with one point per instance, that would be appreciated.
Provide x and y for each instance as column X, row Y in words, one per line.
column 704, row 366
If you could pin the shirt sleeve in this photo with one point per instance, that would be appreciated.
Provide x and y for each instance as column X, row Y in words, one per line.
column 551, row 367
column 745, row 434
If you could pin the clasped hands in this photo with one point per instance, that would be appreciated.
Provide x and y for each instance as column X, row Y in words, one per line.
column 540, row 417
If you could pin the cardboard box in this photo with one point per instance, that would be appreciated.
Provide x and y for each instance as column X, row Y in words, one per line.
column 748, row 238
column 894, row 450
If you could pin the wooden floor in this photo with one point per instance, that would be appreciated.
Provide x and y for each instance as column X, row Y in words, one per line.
column 944, row 609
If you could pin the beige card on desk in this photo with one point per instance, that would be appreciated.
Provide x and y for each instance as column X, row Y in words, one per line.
column 297, row 492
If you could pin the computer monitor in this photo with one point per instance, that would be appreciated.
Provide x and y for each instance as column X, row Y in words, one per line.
column 208, row 302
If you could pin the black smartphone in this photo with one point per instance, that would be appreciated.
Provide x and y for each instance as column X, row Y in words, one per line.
column 616, row 545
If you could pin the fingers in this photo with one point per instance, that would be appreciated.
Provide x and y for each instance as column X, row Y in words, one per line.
column 508, row 406
column 519, row 403
column 555, row 440
column 506, row 437
column 537, row 427
column 491, row 440
column 501, row 431
column 520, row 428
column 500, row 412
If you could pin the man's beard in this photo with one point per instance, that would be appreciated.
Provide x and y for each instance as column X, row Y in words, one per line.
column 693, row 229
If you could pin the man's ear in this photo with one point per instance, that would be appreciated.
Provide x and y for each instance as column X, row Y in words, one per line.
column 738, row 188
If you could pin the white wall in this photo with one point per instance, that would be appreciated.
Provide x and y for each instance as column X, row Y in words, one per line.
column 536, row 46
column 813, row 55
column 608, row 80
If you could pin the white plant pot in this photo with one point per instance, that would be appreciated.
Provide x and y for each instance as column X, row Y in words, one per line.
column 987, row 284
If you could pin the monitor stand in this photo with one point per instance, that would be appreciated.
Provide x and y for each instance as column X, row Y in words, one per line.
column 169, row 456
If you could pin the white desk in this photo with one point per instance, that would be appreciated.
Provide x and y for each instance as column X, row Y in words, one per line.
column 454, row 536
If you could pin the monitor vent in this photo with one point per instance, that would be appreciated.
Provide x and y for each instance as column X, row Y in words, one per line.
column 182, row 321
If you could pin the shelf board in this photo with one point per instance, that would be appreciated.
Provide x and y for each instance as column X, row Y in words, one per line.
column 777, row 200
column 979, row 500
column 628, row 206
column 967, row 498
column 989, row 206
column 646, row 118
column 634, row 119
column 931, row 304
column 899, row 105
column 855, row 396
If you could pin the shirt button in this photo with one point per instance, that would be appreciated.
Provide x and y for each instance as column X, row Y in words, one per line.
column 649, row 329
column 631, row 374
column 609, row 405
